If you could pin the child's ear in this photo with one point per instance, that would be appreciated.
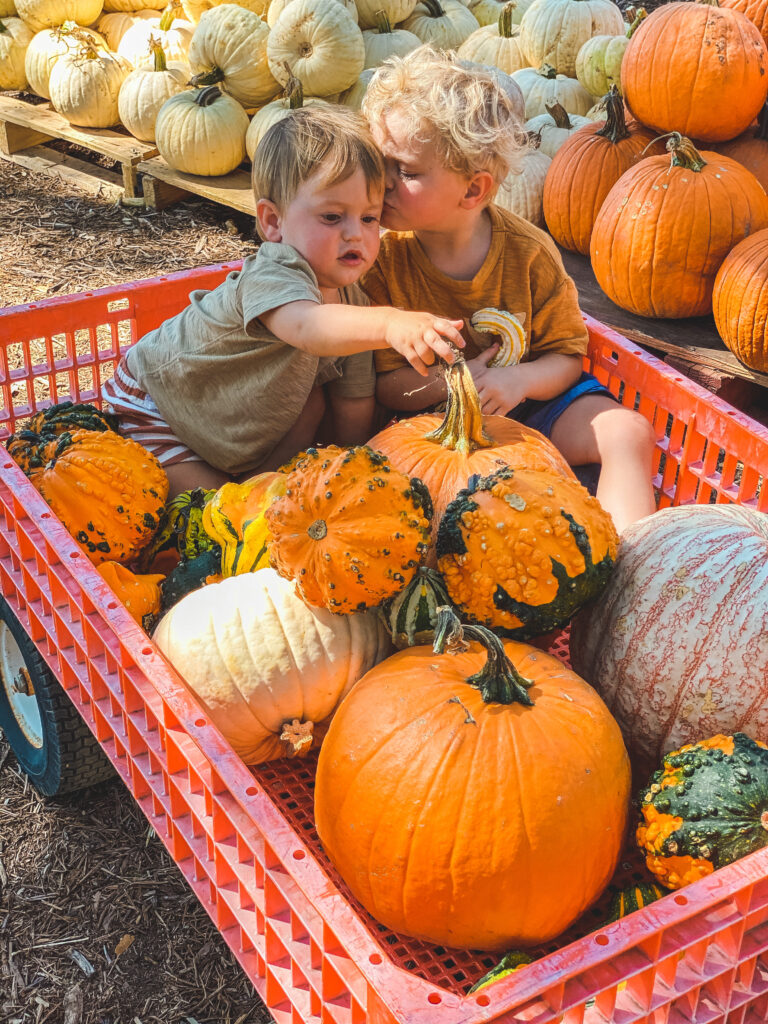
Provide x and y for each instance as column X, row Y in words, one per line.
column 269, row 221
column 479, row 187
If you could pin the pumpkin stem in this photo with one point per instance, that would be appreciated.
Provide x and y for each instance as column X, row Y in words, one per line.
column 616, row 124
column 293, row 90
column 640, row 15
column 546, row 71
column 2, row 27
column 684, row 153
column 462, row 426
column 157, row 51
column 205, row 97
column 168, row 16
column 299, row 736
column 434, row 8
column 506, row 28
column 498, row 680
column 210, row 77
column 383, row 25
column 559, row 115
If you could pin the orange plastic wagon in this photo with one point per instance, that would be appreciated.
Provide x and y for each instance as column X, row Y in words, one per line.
column 82, row 686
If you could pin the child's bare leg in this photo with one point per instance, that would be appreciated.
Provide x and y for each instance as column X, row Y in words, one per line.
column 596, row 429
column 353, row 419
column 300, row 436
column 185, row 475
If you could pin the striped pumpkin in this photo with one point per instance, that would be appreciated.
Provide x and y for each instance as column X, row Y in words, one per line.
column 411, row 615
column 676, row 644
column 633, row 898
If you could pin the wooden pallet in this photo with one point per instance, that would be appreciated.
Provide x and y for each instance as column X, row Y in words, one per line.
column 163, row 186
column 25, row 129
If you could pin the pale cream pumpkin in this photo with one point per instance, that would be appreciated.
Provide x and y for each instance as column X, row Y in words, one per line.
column 277, row 7
column 523, row 193
column 173, row 33
column 396, row 11
column 553, row 31
column 269, row 670
column 543, row 85
column 598, row 62
column 321, row 45
column 384, row 41
column 85, row 84
column 48, row 45
column 497, row 45
column 202, row 131
column 133, row 6
column 113, row 25
column 444, row 24
column 194, row 9
column 271, row 113
column 144, row 92
column 487, row 12
column 15, row 37
column 7, row 9
column 554, row 127
column 353, row 97
column 229, row 46
column 40, row 14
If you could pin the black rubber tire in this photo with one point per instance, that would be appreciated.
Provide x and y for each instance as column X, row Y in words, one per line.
column 69, row 757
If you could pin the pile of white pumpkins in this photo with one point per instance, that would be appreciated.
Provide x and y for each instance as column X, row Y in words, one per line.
column 188, row 77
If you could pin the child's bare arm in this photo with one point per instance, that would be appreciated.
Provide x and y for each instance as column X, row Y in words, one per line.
column 337, row 330
column 503, row 388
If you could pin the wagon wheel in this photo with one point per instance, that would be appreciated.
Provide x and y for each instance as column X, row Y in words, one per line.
column 49, row 738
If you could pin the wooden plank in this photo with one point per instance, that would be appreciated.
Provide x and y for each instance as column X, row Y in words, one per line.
column 158, row 194
column 14, row 138
column 115, row 144
column 692, row 338
column 97, row 181
column 233, row 190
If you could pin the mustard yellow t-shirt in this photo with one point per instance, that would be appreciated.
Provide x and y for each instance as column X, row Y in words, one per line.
column 522, row 273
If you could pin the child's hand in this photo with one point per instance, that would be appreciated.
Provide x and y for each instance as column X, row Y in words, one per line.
column 421, row 337
column 501, row 388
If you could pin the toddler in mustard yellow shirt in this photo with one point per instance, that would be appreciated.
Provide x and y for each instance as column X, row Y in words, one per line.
column 449, row 136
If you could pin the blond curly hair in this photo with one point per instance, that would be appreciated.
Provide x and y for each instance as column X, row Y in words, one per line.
column 460, row 108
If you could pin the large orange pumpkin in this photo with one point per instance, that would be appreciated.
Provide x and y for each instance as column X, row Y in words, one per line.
column 750, row 149
column 473, row 799
column 445, row 451
column 740, row 301
column 696, row 69
column 585, row 169
column 666, row 226
column 755, row 10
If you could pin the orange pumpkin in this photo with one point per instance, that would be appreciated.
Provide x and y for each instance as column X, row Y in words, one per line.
column 140, row 594
column 696, row 69
column 349, row 528
column 585, row 169
column 755, row 10
column 107, row 490
column 750, row 149
column 474, row 799
column 740, row 301
column 445, row 451
column 666, row 226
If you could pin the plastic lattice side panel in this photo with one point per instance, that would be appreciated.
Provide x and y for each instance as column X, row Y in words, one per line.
column 246, row 841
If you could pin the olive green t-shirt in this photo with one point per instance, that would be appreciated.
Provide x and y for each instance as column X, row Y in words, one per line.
column 230, row 389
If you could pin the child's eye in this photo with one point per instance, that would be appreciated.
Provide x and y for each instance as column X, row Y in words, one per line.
column 406, row 175
column 331, row 218
column 371, row 219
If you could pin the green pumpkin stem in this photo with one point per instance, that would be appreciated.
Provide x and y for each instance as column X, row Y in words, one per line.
column 498, row 680
column 168, row 16
column 616, row 124
column 559, row 115
column 434, row 9
column 210, row 77
column 2, row 27
column 506, row 28
column 640, row 15
column 684, row 153
column 293, row 91
column 383, row 24
column 547, row 71
column 462, row 426
column 205, row 97
column 157, row 51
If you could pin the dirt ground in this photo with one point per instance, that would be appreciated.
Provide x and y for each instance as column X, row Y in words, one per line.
column 97, row 925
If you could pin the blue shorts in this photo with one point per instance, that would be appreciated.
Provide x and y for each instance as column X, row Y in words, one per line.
column 541, row 416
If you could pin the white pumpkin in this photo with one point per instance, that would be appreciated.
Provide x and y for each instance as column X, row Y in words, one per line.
column 353, row 97
column 48, row 45
column 40, row 14
column 598, row 62
column 384, row 41
column 542, row 86
column 174, row 35
column 677, row 644
column 194, row 9
column 202, row 131
column 113, row 25
column 396, row 11
column 277, row 7
column 555, row 127
column 496, row 45
column 8, row 9
column 444, row 24
column 553, row 31
column 488, row 12
column 597, row 112
column 133, row 6
column 523, row 193
column 264, row 665
column 229, row 46
column 275, row 111
column 145, row 90
column 15, row 37
column 321, row 45
column 85, row 84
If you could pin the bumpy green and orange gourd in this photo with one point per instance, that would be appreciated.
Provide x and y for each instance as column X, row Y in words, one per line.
column 234, row 519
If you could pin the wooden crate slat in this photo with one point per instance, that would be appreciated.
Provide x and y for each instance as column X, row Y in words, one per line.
column 233, row 190
column 98, row 181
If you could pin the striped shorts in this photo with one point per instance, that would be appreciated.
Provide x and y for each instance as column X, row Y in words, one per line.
column 140, row 419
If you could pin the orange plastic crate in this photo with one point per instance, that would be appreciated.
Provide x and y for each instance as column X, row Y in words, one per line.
column 245, row 841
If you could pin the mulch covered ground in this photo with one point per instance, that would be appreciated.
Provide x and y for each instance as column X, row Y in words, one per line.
column 97, row 926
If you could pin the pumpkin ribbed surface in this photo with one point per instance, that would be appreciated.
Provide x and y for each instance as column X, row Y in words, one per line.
column 349, row 529
column 755, row 10
column 260, row 660
column 740, row 301
column 521, row 551
column 108, row 491
column 704, row 808
column 139, row 594
column 676, row 645
column 471, row 823
column 411, row 615
column 553, row 31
